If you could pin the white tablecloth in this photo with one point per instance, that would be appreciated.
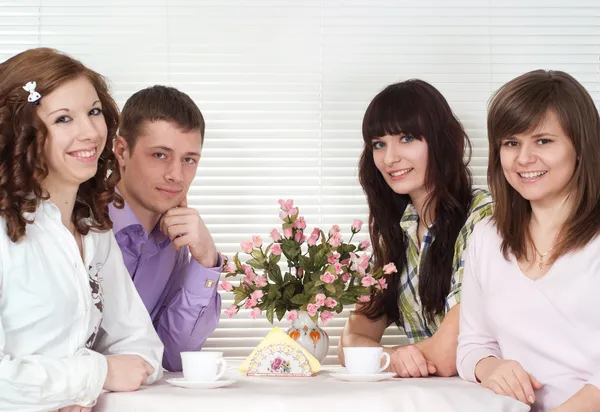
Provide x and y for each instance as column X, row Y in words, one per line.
column 321, row 393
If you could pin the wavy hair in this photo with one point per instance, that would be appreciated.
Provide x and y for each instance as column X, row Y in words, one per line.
column 416, row 108
column 518, row 107
column 23, row 135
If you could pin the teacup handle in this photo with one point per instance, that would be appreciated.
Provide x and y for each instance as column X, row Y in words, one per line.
column 387, row 361
column 223, row 364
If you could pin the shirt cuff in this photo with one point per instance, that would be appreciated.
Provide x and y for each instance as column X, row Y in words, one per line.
column 97, row 365
column 468, row 363
column 200, row 280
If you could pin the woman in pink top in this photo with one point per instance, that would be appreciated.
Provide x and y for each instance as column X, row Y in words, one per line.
column 529, row 324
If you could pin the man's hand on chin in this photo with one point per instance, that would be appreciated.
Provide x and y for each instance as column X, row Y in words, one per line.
column 184, row 226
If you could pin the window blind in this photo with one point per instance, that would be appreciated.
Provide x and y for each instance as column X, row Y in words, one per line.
column 283, row 86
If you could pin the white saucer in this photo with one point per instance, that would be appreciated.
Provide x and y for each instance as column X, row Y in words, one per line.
column 366, row 377
column 183, row 383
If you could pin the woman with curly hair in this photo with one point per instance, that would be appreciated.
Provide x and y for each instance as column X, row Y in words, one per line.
column 66, row 299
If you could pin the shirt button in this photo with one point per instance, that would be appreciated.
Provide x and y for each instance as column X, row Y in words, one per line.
column 209, row 283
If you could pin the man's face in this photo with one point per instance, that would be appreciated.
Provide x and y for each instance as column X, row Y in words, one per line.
column 157, row 173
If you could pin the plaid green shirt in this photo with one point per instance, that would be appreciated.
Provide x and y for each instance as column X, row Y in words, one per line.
column 412, row 316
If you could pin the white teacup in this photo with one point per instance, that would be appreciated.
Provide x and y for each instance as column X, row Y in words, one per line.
column 365, row 360
column 203, row 366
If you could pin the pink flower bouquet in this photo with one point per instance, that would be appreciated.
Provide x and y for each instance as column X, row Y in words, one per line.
column 323, row 272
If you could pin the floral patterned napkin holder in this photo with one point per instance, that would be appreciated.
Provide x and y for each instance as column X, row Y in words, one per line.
column 280, row 355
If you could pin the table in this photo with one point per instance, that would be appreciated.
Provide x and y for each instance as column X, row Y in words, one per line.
column 318, row 393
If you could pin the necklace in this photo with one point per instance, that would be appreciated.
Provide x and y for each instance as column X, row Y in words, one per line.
column 540, row 263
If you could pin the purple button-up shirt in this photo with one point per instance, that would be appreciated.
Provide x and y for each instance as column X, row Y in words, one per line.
column 179, row 293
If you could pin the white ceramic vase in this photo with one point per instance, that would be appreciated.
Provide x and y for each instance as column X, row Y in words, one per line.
column 310, row 336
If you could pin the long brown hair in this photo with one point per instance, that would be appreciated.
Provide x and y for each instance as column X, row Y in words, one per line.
column 23, row 136
column 518, row 107
column 417, row 108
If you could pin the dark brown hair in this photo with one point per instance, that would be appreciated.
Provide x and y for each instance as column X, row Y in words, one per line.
column 23, row 136
column 416, row 108
column 518, row 107
column 157, row 103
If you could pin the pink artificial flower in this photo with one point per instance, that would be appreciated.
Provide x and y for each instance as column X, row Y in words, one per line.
column 312, row 240
column 368, row 281
column 276, row 249
column 292, row 315
column 250, row 275
column 327, row 277
column 300, row 223
column 246, row 247
column 256, row 241
column 389, row 269
column 326, row 316
column 330, row 303
column 346, row 277
column 260, row 281
column 312, row 309
column 357, row 225
column 338, row 267
column 320, row 299
column 365, row 244
column 333, row 258
column 288, row 233
column 283, row 214
column 275, row 235
column 232, row 310
column 254, row 313
column 335, row 240
column 363, row 263
column 383, row 283
column 299, row 272
column 250, row 303
column 364, row 298
column 230, row 268
column 334, row 229
column 286, row 204
column 316, row 232
column 299, row 237
column 293, row 211
column 226, row 286
column 257, row 294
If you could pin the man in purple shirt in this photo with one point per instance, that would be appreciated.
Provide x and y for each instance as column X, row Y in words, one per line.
column 166, row 246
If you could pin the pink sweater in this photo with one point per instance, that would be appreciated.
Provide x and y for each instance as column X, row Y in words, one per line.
column 551, row 326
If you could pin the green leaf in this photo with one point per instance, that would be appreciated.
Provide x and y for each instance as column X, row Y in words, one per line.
column 289, row 292
column 290, row 249
column 275, row 274
column 239, row 296
column 310, row 288
column 255, row 264
column 238, row 264
column 300, row 299
column 330, row 288
column 274, row 259
column 289, row 278
column 258, row 255
column 306, row 263
column 270, row 311
column 280, row 309
column 274, row 293
column 348, row 300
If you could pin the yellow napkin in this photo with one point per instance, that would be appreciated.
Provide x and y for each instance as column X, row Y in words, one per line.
column 278, row 336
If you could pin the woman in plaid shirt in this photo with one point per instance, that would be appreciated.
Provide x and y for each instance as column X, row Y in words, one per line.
column 422, row 212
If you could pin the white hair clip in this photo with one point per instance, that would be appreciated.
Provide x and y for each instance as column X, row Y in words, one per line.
column 33, row 95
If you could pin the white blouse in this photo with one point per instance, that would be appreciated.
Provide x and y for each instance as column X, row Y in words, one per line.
column 59, row 317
